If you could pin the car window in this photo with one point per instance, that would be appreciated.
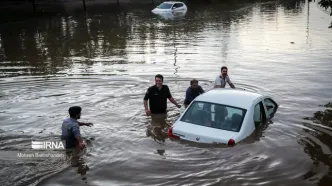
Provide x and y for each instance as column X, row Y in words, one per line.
column 178, row 5
column 259, row 116
column 271, row 107
column 214, row 115
column 165, row 6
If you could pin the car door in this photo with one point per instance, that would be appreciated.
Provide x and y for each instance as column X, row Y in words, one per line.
column 270, row 106
column 174, row 7
column 177, row 6
column 259, row 114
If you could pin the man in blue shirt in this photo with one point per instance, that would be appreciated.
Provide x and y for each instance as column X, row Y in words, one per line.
column 71, row 129
column 192, row 92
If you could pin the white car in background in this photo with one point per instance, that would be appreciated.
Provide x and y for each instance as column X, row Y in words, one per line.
column 223, row 116
column 170, row 6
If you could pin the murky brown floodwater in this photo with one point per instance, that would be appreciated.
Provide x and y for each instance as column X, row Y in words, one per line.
column 105, row 61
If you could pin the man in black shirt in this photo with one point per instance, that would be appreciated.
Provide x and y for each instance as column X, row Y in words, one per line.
column 157, row 96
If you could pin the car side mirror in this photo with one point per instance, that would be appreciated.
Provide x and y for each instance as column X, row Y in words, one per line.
column 173, row 7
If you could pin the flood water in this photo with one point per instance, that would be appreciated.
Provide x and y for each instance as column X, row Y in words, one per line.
column 105, row 60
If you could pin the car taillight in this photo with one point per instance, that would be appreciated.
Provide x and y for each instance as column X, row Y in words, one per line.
column 171, row 135
column 231, row 142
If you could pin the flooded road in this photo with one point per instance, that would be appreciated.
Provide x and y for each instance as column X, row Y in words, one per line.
column 104, row 62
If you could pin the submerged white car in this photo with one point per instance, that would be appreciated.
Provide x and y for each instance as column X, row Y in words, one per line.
column 170, row 6
column 223, row 116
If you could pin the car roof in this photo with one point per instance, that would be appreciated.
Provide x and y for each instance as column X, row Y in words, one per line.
column 232, row 97
column 172, row 2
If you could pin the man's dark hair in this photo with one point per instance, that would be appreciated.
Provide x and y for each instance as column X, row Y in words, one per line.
column 159, row 76
column 73, row 111
column 222, row 68
column 193, row 81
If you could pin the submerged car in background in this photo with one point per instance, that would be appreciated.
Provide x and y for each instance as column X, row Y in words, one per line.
column 170, row 6
column 171, row 15
column 223, row 116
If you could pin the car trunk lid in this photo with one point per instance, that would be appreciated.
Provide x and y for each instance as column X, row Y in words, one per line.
column 202, row 134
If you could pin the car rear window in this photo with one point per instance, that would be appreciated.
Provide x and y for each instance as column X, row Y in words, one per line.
column 213, row 115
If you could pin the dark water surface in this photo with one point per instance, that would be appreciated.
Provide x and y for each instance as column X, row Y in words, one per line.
column 104, row 61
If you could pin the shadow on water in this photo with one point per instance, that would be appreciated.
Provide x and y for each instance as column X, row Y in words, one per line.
column 316, row 139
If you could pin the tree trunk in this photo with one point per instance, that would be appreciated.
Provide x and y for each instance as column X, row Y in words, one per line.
column 118, row 2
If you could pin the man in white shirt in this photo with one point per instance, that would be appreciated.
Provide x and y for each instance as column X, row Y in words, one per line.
column 222, row 79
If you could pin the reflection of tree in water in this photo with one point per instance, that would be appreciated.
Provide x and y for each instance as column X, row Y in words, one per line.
column 99, row 35
column 319, row 130
column 47, row 45
column 327, row 5
column 293, row 6
column 226, row 21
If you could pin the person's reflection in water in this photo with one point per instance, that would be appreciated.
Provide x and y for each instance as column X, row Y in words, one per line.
column 75, row 158
column 157, row 129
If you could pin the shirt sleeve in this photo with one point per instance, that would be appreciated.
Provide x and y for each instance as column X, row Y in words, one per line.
column 76, row 130
column 217, row 81
column 201, row 90
column 228, row 80
column 189, row 96
column 168, row 93
column 147, row 94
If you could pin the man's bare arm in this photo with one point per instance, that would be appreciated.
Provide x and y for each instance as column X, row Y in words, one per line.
column 81, row 144
column 171, row 99
column 84, row 124
column 146, row 108
column 146, row 104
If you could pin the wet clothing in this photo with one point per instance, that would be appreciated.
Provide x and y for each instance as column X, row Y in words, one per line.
column 70, row 129
column 157, row 98
column 222, row 81
column 192, row 93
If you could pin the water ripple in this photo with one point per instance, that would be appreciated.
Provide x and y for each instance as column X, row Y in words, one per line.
column 104, row 62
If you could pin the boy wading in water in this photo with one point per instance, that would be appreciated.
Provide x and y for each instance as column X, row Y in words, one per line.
column 71, row 129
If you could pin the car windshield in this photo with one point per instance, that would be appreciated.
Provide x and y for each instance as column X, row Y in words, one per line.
column 165, row 6
column 215, row 115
